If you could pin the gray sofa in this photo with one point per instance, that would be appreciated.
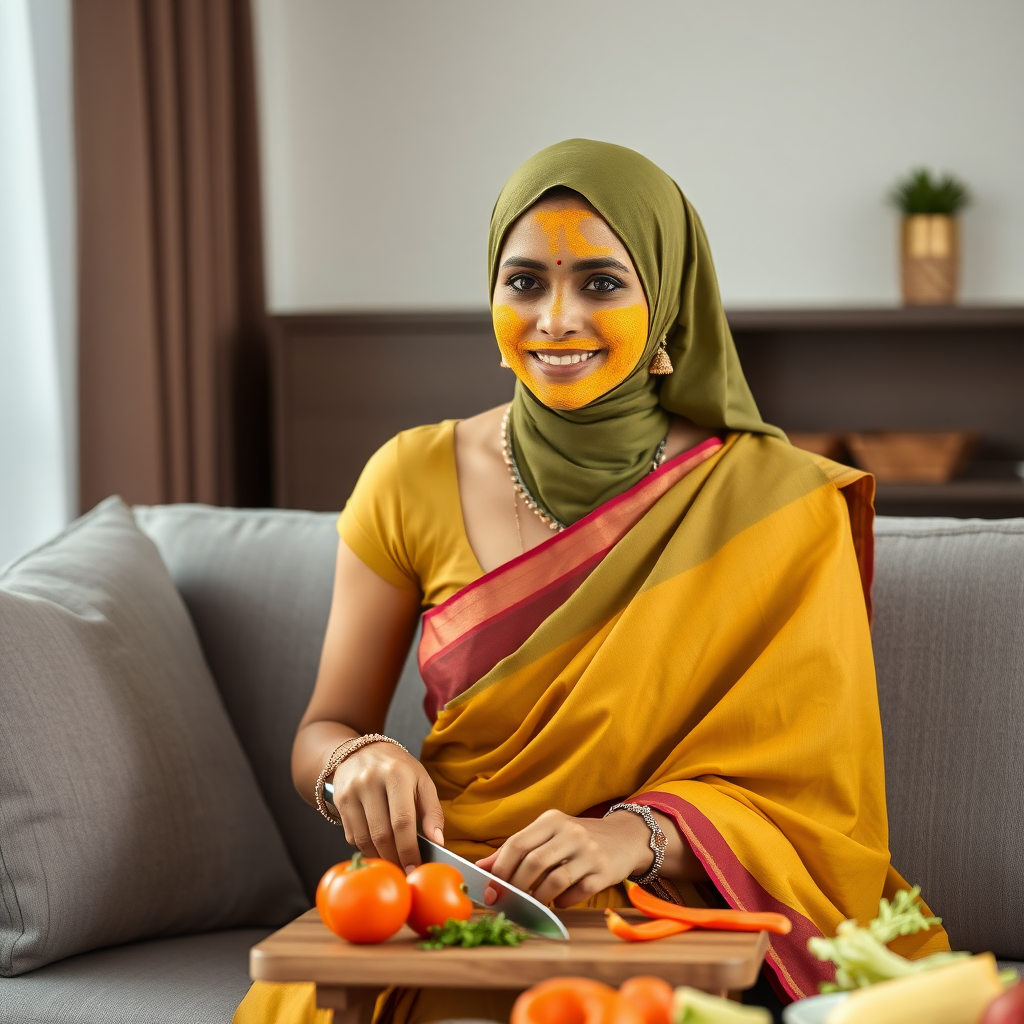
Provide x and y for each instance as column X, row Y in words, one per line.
column 949, row 646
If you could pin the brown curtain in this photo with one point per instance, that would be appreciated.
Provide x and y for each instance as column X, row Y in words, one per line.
column 172, row 353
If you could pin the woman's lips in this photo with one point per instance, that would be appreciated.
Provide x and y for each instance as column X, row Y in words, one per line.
column 566, row 362
column 564, row 358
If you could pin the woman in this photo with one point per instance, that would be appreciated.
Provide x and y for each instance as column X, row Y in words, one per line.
column 636, row 592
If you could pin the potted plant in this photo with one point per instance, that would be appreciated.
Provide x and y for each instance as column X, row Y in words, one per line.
column 930, row 237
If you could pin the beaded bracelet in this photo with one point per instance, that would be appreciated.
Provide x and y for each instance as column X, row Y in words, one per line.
column 340, row 753
column 657, row 844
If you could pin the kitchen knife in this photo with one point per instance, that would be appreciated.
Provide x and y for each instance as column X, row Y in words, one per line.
column 519, row 907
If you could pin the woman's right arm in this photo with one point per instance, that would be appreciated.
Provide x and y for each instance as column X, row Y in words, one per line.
column 380, row 791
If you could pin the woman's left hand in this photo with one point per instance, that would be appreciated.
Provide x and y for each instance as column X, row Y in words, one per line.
column 569, row 859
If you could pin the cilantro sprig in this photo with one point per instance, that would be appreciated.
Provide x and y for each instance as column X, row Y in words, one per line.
column 489, row 930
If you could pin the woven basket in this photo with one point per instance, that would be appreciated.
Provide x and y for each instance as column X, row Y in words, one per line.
column 913, row 458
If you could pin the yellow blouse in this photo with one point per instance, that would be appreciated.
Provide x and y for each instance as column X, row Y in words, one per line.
column 404, row 517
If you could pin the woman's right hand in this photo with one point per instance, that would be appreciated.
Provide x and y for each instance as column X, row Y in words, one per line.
column 380, row 792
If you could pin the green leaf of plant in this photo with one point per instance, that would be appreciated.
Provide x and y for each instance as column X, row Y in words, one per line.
column 919, row 193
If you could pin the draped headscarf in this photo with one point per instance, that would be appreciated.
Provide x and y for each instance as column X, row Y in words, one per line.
column 575, row 460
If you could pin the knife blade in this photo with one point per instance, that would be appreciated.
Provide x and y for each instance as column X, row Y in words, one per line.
column 519, row 907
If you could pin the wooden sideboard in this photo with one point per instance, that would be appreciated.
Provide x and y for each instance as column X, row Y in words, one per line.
column 344, row 383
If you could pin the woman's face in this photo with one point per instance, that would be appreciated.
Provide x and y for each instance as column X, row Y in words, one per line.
column 569, row 311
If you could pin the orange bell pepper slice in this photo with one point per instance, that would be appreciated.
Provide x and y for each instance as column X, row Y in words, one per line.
column 647, row 930
column 699, row 917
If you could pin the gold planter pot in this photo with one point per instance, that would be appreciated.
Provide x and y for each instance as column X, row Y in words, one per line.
column 930, row 259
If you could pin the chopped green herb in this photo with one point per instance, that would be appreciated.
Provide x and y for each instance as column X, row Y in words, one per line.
column 489, row 930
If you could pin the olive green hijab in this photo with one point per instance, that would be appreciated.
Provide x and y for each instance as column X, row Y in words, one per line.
column 575, row 460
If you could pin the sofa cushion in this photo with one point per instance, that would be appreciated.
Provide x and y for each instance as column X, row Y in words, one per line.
column 949, row 647
column 127, row 808
column 258, row 587
column 197, row 979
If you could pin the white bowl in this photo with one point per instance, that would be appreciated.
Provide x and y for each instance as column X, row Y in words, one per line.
column 813, row 1010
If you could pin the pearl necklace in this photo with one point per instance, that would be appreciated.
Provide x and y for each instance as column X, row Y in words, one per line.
column 522, row 491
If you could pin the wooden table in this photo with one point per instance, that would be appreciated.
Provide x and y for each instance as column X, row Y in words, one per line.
column 349, row 978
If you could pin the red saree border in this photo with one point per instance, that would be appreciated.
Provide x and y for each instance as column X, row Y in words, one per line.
column 466, row 636
column 481, row 647
column 589, row 526
column 797, row 970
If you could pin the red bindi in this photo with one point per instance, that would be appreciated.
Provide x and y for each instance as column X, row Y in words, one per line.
column 559, row 262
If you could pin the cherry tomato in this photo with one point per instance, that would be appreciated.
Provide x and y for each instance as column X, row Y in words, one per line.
column 651, row 996
column 364, row 899
column 438, row 893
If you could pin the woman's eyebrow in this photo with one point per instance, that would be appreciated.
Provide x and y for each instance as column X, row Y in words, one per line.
column 598, row 263
column 522, row 261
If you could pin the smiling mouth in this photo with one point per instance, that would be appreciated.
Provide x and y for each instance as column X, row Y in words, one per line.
column 566, row 358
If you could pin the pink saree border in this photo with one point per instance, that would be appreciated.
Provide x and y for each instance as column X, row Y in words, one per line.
column 797, row 970
column 526, row 574
column 467, row 635
column 456, row 667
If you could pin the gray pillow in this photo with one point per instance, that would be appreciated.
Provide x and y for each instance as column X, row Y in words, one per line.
column 127, row 808
column 257, row 584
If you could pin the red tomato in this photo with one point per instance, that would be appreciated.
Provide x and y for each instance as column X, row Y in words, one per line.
column 364, row 899
column 1007, row 1008
column 651, row 996
column 438, row 893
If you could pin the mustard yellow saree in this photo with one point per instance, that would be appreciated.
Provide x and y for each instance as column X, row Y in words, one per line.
column 700, row 644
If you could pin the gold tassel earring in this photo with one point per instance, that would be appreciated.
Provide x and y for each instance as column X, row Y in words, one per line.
column 661, row 365
column 505, row 365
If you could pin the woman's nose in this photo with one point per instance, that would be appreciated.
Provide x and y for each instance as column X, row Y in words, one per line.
column 557, row 318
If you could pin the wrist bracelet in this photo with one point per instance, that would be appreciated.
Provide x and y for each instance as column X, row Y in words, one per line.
column 342, row 752
column 658, row 841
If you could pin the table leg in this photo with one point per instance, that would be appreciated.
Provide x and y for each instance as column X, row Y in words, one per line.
column 351, row 1004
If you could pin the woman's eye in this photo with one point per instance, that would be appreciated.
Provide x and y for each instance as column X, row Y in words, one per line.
column 523, row 283
column 603, row 283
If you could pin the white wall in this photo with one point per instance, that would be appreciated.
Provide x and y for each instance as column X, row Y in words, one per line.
column 390, row 125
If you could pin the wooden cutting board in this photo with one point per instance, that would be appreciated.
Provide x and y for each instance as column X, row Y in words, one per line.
column 349, row 977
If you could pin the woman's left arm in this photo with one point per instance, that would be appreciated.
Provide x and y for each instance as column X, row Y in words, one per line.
column 568, row 859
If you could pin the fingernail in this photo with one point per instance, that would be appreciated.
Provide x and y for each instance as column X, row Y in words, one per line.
column 410, row 868
column 489, row 895
column 438, row 837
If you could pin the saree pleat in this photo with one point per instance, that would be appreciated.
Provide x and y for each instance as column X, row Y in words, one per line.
column 714, row 662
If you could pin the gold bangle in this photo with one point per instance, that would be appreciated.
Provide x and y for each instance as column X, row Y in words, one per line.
column 340, row 753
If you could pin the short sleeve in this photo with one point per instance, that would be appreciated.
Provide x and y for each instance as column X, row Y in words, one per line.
column 372, row 522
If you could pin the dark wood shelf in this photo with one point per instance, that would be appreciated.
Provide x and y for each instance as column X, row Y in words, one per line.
column 346, row 382
column 915, row 368
column 1011, row 491
column 986, row 499
column 898, row 318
